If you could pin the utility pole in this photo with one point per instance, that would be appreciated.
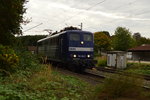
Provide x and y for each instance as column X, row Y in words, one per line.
column 81, row 26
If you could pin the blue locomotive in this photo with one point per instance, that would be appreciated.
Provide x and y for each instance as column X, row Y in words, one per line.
column 73, row 48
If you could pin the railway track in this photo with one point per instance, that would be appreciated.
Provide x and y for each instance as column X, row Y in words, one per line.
column 97, row 76
column 107, row 73
column 87, row 77
column 110, row 70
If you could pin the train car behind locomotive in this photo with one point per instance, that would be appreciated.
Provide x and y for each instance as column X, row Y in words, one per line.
column 73, row 48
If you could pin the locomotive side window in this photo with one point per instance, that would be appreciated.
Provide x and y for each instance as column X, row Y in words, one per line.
column 87, row 37
column 74, row 37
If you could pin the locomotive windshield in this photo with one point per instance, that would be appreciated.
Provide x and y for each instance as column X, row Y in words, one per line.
column 87, row 37
column 74, row 37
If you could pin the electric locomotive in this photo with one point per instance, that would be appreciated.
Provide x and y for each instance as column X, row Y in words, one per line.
column 73, row 48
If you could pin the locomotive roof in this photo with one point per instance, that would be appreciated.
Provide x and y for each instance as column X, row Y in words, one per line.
column 50, row 36
column 77, row 31
column 63, row 33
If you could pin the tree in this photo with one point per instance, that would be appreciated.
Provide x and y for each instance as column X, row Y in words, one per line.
column 101, row 41
column 11, row 16
column 122, row 39
column 140, row 40
column 30, row 40
column 137, row 35
column 143, row 40
column 106, row 33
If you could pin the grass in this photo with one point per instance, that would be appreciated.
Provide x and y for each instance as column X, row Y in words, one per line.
column 122, row 88
column 138, row 68
column 101, row 61
column 32, row 81
column 44, row 84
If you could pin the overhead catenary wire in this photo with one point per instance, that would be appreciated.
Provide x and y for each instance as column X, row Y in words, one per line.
column 83, row 11
column 91, row 8
column 95, row 6
column 129, row 16
column 65, row 11
column 132, row 2
column 33, row 27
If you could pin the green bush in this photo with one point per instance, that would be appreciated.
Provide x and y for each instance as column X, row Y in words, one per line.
column 44, row 85
column 8, row 59
column 102, row 61
column 138, row 68
column 121, row 87
column 27, row 60
column 16, row 59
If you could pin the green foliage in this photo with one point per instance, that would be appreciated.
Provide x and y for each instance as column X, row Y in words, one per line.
column 137, row 36
column 120, row 86
column 30, row 40
column 27, row 60
column 8, row 59
column 11, row 16
column 140, row 40
column 138, row 68
column 102, row 62
column 122, row 39
column 20, row 59
column 44, row 85
column 101, row 41
column 106, row 33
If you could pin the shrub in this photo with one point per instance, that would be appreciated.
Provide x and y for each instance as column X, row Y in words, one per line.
column 44, row 85
column 138, row 68
column 57, row 86
column 102, row 61
column 27, row 60
column 8, row 59
column 121, row 87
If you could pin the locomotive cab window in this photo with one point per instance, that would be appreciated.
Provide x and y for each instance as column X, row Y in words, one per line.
column 74, row 37
column 87, row 37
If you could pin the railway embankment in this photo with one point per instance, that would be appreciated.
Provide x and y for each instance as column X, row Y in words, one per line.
column 33, row 81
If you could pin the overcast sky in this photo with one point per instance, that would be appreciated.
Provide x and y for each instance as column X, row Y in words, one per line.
column 96, row 15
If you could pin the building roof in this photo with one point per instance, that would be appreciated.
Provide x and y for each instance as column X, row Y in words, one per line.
column 142, row 48
column 115, row 52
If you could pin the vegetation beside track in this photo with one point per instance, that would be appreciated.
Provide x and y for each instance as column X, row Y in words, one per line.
column 138, row 68
column 30, row 80
column 101, row 61
column 43, row 84
column 120, row 87
column 47, row 84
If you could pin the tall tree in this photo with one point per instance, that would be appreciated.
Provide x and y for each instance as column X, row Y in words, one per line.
column 30, row 40
column 106, row 33
column 11, row 15
column 137, row 35
column 143, row 40
column 122, row 39
column 101, row 41
column 140, row 40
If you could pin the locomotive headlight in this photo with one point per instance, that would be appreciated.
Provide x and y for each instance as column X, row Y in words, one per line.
column 82, row 42
column 74, row 56
column 88, row 56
